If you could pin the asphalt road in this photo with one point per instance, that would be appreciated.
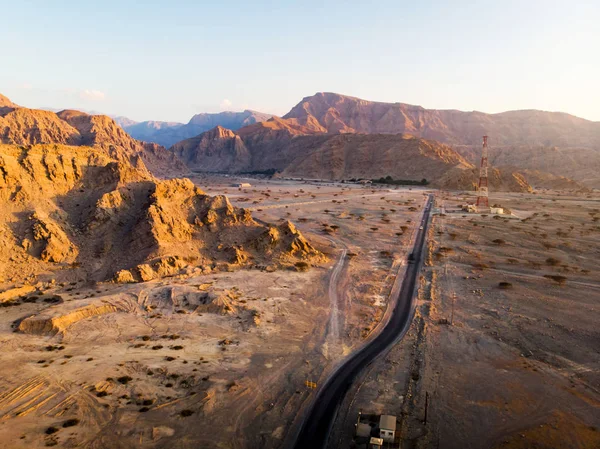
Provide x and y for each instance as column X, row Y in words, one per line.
column 315, row 430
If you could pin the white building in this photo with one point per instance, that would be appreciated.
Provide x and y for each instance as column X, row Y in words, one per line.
column 387, row 428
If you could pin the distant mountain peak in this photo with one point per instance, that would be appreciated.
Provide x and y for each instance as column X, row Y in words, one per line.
column 6, row 103
column 169, row 133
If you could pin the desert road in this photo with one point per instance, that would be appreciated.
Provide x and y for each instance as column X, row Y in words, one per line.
column 315, row 429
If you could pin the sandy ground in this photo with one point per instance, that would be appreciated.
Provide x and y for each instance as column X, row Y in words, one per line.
column 520, row 365
column 157, row 369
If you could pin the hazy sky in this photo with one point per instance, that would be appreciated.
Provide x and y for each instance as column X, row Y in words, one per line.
column 168, row 59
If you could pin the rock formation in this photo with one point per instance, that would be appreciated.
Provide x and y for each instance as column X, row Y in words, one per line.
column 89, row 203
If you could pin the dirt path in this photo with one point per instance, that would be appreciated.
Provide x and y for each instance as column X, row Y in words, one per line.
column 333, row 347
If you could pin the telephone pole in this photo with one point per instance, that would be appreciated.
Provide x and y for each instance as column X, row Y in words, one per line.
column 482, row 188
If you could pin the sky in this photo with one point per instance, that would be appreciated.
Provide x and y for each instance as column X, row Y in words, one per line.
column 167, row 60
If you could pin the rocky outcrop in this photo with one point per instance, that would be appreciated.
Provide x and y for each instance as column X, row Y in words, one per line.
column 12, row 293
column 97, row 208
column 219, row 302
column 287, row 243
column 216, row 150
column 49, row 242
column 58, row 319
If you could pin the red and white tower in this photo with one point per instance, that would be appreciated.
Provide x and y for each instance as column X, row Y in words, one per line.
column 482, row 188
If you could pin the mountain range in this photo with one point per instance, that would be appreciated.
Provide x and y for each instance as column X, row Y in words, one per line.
column 168, row 133
column 335, row 136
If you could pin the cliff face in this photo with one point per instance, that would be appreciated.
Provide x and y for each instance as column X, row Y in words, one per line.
column 216, row 150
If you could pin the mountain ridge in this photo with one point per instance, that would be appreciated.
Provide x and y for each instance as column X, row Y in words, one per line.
column 340, row 113
column 23, row 126
column 169, row 133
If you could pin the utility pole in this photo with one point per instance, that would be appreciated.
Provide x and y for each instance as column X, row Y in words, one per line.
column 482, row 188
column 452, row 314
column 426, row 407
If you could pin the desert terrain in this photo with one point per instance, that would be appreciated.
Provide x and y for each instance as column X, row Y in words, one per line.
column 168, row 361
column 504, row 348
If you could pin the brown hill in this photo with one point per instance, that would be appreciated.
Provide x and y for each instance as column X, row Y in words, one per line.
column 282, row 145
column 77, row 207
column 342, row 114
column 367, row 156
column 22, row 126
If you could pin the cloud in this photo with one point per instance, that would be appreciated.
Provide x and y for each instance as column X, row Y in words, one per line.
column 90, row 94
column 225, row 104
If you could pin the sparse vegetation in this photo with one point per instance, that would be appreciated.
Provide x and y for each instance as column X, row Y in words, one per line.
column 561, row 280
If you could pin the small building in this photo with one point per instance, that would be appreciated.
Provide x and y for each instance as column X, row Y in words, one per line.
column 375, row 443
column 387, row 428
column 497, row 210
column 242, row 184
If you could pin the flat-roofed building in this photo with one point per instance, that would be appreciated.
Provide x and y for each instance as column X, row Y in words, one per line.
column 387, row 428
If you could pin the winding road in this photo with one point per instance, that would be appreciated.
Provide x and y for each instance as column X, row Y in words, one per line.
column 316, row 427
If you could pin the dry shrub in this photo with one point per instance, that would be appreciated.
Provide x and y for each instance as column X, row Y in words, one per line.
column 505, row 285
column 561, row 280
column 302, row 266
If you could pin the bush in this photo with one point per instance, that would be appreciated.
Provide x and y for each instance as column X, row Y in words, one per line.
column 505, row 285
column 71, row 422
column 561, row 280
column 124, row 379
column 302, row 266
column 552, row 261
column 499, row 242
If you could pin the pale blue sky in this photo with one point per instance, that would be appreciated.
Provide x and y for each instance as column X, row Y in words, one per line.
column 166, row 60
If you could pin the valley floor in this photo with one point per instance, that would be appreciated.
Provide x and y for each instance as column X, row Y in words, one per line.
column 519, row 365
column 150, row 365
